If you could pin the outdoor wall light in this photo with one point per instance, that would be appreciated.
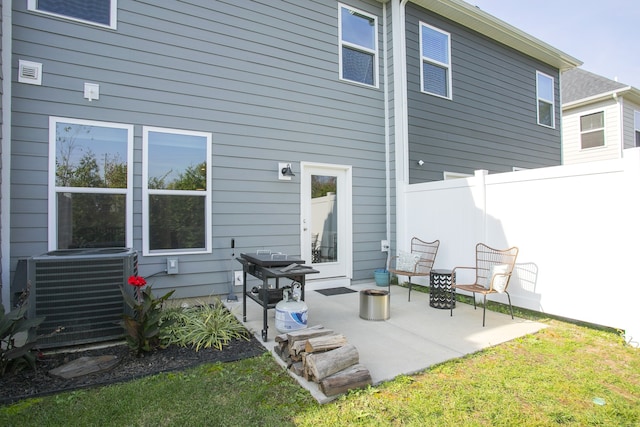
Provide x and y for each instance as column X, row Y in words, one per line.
column 421, row 162
column 285, row 172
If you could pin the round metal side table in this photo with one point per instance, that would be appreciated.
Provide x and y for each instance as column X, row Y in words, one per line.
column 440, row 295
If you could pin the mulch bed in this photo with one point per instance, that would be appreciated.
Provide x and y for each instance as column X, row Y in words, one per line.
column 32, row 383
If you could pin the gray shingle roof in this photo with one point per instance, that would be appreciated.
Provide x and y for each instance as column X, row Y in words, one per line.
column 579, row 84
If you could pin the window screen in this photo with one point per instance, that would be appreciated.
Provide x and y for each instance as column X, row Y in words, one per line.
column 95, row 11
column 435, row 52
column 358, row 46
column 592, row 130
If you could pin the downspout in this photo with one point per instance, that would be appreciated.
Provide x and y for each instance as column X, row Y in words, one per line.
column 387, row 136
column 401, row 131
column 621, row 127
column 561, row 119
column 5, row 185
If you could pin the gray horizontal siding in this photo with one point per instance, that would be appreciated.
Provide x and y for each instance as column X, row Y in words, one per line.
column 261, row 76
column 491, row 122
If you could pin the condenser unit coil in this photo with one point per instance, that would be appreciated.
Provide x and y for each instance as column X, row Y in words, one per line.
column 78, row 293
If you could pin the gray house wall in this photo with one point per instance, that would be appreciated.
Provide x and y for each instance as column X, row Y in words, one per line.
column 1, row 128
column 261, row 76
column 491, row 121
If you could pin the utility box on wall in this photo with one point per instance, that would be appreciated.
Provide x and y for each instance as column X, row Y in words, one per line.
column 172, row 266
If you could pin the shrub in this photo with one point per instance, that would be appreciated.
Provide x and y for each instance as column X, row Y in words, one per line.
column 202, row 326
column 17, row 338
column 143, row 329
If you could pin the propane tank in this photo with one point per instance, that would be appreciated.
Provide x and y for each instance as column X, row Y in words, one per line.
column 291, row 313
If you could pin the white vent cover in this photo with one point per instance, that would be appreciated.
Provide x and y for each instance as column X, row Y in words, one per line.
column 30, row 72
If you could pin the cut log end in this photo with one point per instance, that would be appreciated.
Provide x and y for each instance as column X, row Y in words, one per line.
column 356, row 376
column 321, row 365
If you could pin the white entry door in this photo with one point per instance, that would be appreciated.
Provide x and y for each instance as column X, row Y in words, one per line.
column 326, row 229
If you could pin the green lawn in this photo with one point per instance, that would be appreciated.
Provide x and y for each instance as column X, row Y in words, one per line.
column 546, row 379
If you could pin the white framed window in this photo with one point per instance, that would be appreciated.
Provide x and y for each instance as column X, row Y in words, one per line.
column 636, row 126
column 592, row 130
column 95, row 12
column 90, row 184
column 545, row 94
column 358, row 50
column 435, row 61
column 176, row 193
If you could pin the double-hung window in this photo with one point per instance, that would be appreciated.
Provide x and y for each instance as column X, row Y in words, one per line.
column 545, row 93
column 90, row 184
column 435, row 60
column 592, row 130
column 95, row 12
column 358, row 46
column 176, row 204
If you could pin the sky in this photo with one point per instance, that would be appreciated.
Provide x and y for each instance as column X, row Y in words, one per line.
column 602, row 34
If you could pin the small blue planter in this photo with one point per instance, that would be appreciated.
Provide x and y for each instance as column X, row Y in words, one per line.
column 381, row 277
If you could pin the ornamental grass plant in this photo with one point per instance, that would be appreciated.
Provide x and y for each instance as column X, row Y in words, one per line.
column 202, row 326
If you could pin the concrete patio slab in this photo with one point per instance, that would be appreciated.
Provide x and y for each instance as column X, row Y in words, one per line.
column 415, row 337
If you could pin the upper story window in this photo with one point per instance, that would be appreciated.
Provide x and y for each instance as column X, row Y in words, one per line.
column 176, row 200
column 636, row 126
column 97, row 12
column 358, row 46
column 90, row 181
column 545, row 93
column 592, row 130
column 435, row 59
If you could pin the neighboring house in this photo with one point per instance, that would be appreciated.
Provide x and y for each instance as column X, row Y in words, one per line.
column 166, row 126
column 600, row 117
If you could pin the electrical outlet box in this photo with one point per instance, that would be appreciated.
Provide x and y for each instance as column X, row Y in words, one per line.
column 384, row 245
column 172, row 266
column 237, row 278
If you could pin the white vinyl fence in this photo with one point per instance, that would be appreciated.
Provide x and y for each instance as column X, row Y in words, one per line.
column 577, row 228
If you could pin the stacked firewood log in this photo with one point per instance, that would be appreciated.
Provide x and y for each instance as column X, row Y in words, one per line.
column 323, row 356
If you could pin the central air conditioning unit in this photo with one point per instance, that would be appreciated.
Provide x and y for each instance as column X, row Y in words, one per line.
column 78, row 293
